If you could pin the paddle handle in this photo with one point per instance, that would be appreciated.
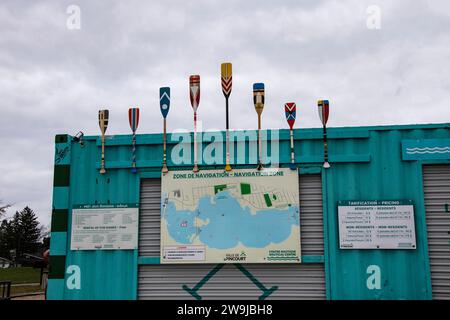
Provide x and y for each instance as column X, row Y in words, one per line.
column 292, row 147
column 260, row 166
column 133, row 155
column 164, row 169
column 195, row 169
column 227, row 142
column 102, row 170
column 325, row 147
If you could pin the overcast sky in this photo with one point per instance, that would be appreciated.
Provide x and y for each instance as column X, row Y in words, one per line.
column 53, row 78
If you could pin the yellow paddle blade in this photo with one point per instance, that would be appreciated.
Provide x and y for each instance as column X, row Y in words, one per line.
column 227, row 78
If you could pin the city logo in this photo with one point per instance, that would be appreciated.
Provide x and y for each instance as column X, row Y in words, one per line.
column 235, row 256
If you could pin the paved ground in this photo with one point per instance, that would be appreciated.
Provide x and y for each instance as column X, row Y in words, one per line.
column 34, row 297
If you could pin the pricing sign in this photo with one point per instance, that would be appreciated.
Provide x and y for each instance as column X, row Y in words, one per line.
column 376, row 224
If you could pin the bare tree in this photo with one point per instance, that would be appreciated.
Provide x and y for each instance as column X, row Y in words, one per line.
column 3, row 209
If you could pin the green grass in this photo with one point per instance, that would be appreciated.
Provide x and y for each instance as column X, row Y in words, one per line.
column 20, row 275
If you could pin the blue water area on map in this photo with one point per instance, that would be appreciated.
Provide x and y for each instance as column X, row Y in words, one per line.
column 226, row 223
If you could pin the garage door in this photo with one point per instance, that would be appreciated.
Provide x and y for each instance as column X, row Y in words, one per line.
column 436, row 183
column 233, row 281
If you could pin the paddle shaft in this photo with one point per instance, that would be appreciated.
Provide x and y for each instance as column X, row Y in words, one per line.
column 325, row 144
column 134, row 151
column 292, row 147
column 195, row 142
column 227, row 133
column 102, row 170
column 164, row 147
column 259, row 141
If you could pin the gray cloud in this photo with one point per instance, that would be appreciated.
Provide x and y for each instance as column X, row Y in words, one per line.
column 53, row 80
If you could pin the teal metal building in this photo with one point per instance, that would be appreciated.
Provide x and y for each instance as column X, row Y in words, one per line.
column 407, row 162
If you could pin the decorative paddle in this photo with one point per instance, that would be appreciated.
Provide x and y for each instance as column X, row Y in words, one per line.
column 324, row 111
column 226, row 73
column 194, row 94
column 290, row 110
column 258, row 100
column 103, row 116
column 133, row 119
column 164, row 105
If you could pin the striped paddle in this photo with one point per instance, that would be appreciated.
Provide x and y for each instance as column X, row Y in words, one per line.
column 290, row 110
column 194, row 94
column 133, row 119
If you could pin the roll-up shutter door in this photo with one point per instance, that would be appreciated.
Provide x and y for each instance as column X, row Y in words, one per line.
column 436, row 183
column 150, row 218
column 311, row 214
column 229, row 281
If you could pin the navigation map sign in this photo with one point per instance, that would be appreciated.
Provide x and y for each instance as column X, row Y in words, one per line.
column 242, row 216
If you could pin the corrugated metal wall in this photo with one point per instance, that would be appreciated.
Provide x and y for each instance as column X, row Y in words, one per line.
column 105, row 274
column 366, row 163
column 246, row 281
column 386, row 176
column 311, row 214
column 150, row 218
column 436, row 184
column 292, row 281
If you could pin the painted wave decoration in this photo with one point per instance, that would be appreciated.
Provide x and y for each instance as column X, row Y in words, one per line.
column 428, row 150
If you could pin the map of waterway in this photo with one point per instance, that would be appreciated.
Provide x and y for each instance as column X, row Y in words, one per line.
column 221, row 222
